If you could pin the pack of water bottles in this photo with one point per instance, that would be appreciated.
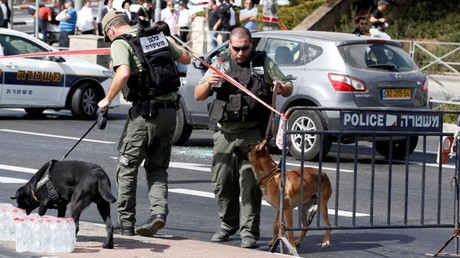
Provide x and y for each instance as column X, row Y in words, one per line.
column 34, row 233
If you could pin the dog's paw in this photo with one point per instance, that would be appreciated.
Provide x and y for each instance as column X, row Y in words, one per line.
column 297, row 244
column 271, row 243
column 325, row 244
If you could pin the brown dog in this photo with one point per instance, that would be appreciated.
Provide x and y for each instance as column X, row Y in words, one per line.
column 268, row 176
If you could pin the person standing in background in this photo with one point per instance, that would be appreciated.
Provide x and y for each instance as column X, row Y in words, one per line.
column 360, row 26
column 170, row 15
column 6, row 13
column 67, row 23
column 145, row 14
column 232, row 21
column 185, row 21
column 44, row 16
column 378, row 21
column 223, row 24
column 249, row 15
column 212, row 17
column 108, row 6
column 85, row 19
column 132, row 16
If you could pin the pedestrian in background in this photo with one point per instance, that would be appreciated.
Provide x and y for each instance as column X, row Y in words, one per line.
column 145, row 14
column 149, row 128
column 108, row 6
column 67, row 22
column 360, row 26
column 240, row 121
column 249, row 16
column 223, row 24
column 44, row 17
column 170, row 15
column 185, row 21
column 132, row 16
column 85, row 19
column 6, row 11
column 212, row 17
column 378, row 21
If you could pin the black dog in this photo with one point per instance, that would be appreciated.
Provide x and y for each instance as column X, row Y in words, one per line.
column 59, row 183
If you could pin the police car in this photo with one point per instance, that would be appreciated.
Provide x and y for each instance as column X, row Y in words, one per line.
column 50, row 82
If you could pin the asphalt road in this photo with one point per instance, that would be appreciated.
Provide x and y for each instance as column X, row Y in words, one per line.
column 26, row 144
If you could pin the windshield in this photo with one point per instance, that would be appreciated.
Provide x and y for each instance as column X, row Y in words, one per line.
column 377, row 56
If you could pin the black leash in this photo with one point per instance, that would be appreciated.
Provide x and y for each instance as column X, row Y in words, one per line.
column 89, row 130
column 100, row 122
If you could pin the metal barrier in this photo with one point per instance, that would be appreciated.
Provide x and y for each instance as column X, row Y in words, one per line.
column 415, row 192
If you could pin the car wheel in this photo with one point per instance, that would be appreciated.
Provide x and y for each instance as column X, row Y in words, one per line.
column 84, row 102
column 183, row 130
column 306, row 120
column 34, row 111
column 399, row 147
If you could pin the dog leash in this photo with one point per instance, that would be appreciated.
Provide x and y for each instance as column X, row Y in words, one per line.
column 100, row 122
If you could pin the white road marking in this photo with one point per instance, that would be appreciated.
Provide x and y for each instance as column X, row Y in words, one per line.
column 10, row 180
column 54, row 136
column 211, row 195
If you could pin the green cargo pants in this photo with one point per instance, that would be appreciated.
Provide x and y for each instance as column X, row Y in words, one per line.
column 230, row 177
column 149, row 140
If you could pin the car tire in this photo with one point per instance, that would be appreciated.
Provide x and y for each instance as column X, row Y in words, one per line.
column 84, row 102
column 183, row 130
column 34, row 112
column 307, row 120
column 399, row 147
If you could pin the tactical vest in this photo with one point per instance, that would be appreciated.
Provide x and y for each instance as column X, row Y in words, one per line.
column 159, row 73
column 233, row 105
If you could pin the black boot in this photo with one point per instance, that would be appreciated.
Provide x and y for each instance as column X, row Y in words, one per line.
column 152, row 225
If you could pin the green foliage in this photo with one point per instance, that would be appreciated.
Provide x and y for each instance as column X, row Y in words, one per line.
column 296, row 12
column 447, row 117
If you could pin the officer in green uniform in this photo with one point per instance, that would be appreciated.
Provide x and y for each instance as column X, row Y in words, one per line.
column 145, row 137
column 240, row 121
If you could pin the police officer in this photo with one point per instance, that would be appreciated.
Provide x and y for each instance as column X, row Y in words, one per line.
column 240, row 121
column 148, row 130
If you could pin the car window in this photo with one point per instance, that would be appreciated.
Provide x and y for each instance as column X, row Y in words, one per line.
column 377, row 56
column 14, row 45
column 285, row 52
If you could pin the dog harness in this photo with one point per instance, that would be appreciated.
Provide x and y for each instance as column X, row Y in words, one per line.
column 45, row 180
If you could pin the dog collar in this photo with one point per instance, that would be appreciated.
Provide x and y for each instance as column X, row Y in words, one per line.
column 263, row 179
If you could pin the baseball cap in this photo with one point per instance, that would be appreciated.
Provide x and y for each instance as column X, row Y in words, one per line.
column 182, row 3
column 109, row 17
column 382, row 2
column 69, row 1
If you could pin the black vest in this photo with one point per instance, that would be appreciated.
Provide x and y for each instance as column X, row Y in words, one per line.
column 159, row 73
column 233, row 105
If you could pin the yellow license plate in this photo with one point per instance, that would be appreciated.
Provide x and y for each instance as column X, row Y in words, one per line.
column 396, row 94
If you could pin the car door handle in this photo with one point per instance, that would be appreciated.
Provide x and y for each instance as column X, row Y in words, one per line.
column 10, row 65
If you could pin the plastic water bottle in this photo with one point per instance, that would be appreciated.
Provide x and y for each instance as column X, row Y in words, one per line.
column 37, row 235
column 56, row 238
column 3, row 221
column 47, row 232
column 10, row 227
column 223, row 67
column 22, row 235
column 69, row 235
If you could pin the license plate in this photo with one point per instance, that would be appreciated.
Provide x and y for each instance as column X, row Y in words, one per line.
column 396, row 94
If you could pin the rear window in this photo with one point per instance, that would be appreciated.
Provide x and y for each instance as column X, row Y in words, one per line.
column 377, row 56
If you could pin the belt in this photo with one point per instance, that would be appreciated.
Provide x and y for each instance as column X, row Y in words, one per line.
column 165, row 104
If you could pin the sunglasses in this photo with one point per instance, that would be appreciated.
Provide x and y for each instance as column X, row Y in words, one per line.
column 238, row 49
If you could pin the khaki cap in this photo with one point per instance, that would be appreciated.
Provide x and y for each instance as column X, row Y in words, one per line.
column 109, row 17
